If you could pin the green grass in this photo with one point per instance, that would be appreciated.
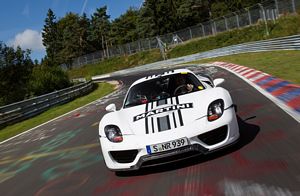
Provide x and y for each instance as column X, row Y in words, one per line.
column 286, row 25
column 115, row 64
column 100, row 90
column 282, row 64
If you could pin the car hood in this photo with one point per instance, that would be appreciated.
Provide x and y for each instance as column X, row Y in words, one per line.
column 170, row 113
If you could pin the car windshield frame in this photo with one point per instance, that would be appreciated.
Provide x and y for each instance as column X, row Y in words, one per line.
column 160, row 88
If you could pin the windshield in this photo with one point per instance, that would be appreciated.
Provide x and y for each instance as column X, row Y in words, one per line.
column 162, row 88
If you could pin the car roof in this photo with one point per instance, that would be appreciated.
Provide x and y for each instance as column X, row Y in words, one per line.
column 171, row 72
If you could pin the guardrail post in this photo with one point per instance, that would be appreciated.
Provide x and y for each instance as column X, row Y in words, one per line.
column 203, row 32
column 264, row 18
column 237, row 20
column 273, row 14
column 249, row 16
column 226, row 25
column 139, row 45
column 191, row 35
column 277, row 8
column 78, row 62
column 293, row 6
column 149, row 43
column 129, row 48
column 107, row 50
column 213, row 27
column 119, row 48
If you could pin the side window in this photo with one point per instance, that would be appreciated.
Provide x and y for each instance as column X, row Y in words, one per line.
column 195, row 81
column 185, row 83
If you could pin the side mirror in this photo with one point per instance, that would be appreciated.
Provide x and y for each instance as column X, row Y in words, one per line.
column 111, row 107
column 218, row 81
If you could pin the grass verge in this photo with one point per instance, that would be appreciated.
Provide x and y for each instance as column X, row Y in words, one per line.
column 286, row 25
column 101, row 90
column 115, row 64
column 282, row 64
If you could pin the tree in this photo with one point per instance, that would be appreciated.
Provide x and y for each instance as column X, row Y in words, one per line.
column 220, row 8
column 73, row 31
column 51, row 38
column 99, row 29
column 191, row 12
column 124, row 29
column 84, row 26
column 15, row 69
column 146, row 22
column 158, row 17
column 166, row 16
column 45, row 79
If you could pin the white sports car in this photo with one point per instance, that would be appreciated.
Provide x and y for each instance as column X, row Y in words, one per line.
column 165, row 118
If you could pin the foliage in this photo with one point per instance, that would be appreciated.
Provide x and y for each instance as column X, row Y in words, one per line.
column 51, row 38
column 99, row 28
column 46, row 79
column 73, row 35
column 115, row 64
column 286, row 25
column 221, row 8
column 15, row 69
column 252, row 33
column 125, row 28
column 21, row 78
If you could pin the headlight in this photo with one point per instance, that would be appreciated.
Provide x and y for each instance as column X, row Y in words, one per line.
column 113, row 133
column 215, row 110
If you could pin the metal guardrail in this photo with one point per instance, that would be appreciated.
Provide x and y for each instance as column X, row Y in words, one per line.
column 283, row 43
column 19, row 111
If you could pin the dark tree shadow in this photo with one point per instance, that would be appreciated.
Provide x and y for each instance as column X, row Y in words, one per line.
column 248, row 132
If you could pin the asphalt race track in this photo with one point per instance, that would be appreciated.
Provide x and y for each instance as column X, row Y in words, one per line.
column 63, row 157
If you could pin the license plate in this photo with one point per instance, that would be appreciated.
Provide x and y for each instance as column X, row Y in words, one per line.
column 170, row 145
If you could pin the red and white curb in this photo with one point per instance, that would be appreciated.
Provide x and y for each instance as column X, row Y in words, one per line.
column 283, row 93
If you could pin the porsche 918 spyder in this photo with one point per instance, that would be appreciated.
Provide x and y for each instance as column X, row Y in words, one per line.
column 167, row 117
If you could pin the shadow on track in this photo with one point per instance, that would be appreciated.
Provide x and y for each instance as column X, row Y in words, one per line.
column 248, row 132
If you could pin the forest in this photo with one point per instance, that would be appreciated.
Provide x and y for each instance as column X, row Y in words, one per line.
column 75, row 35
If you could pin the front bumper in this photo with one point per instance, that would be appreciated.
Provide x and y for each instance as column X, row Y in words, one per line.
column 196, row 147
column 169, row 156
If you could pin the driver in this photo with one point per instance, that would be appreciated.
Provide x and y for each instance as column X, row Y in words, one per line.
column 182, row 86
